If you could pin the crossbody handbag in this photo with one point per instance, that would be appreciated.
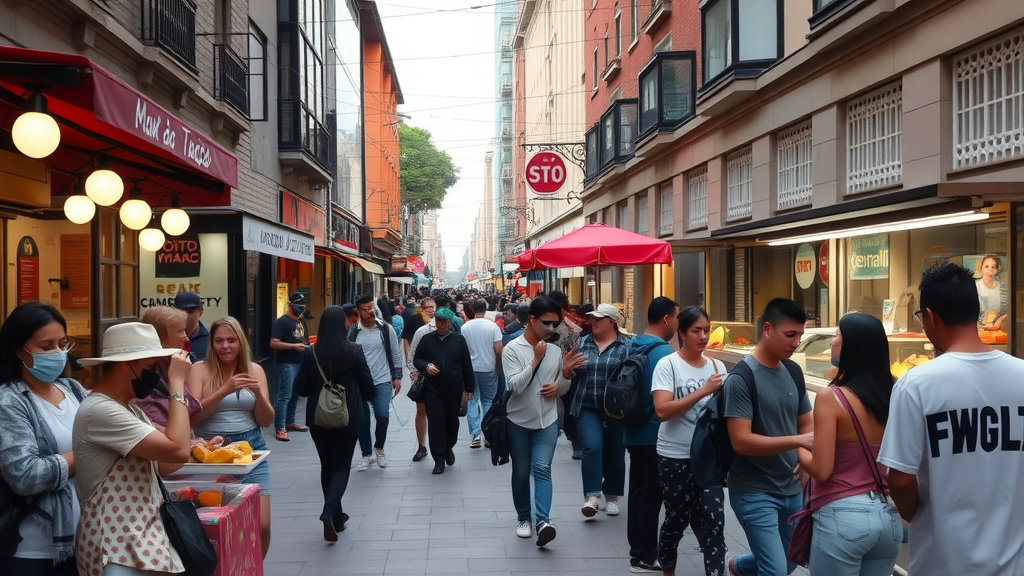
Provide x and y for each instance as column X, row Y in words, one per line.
column 186, row 534
column 332, row 402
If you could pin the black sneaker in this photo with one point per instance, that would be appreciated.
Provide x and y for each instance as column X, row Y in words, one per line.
column 641, row 567
column 545, row 533
column 449, row 458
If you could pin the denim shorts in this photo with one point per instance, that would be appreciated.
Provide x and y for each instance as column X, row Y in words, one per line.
column 261, row 474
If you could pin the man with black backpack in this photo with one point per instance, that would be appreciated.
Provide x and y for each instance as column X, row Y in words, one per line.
column 641, row 440
column 768, row 417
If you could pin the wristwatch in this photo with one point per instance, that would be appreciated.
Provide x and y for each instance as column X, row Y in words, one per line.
column 179, row 397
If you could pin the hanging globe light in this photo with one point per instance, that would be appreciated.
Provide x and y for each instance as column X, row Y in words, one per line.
column 104, row 186
column 135, row 213
column 152, row 238
column 35, row 133
column 78, row 208
column 175, row 221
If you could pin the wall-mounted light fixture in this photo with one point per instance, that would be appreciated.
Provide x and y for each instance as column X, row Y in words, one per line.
column 35, row 132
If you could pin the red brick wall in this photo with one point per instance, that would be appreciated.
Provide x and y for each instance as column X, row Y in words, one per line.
column 683, row 24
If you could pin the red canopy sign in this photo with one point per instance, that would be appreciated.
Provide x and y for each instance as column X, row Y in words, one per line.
column 597, row 245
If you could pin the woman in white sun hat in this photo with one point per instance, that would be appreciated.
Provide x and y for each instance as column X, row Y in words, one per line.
column 119, row 454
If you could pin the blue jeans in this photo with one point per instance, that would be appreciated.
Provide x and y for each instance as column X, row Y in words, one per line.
column 531, row 452
column 604, row 455
column 381, row 404
column 764, row 518
column 486, row 388
column 284, row 409
column 856, row 536
column 260, row 474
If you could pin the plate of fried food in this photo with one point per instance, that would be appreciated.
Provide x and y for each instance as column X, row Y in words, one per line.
column 213, row 456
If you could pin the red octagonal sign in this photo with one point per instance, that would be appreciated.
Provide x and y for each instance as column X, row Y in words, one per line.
column 545, row 173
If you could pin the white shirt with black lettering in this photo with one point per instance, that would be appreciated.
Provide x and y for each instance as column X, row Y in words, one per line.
column 957, row 423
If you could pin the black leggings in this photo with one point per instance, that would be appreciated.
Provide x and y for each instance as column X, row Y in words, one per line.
column 681, row 495
column 335, row 448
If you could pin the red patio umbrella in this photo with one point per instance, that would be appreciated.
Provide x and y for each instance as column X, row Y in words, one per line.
column 597, row 245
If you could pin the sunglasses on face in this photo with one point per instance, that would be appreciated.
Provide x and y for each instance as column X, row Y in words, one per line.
column 550, row 323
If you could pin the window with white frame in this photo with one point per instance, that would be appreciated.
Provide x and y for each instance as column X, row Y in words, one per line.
column 738, row 195
column 641, row 213
column 666, row 217
column 618, row 32
column 634, row 17
column 874, row 140
column 595, row 68
column 793, row 155
column 988, row 102
column 697, row 185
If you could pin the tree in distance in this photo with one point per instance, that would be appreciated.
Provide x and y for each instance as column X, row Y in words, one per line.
column 427, row 173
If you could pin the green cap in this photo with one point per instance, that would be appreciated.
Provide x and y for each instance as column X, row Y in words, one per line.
column 444, row 313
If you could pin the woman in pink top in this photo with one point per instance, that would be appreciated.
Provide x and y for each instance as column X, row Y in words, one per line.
column 856, row 531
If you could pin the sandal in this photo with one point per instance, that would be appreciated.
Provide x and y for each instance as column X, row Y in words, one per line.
column 730, row 566
column 297, row 428
column 282, row 436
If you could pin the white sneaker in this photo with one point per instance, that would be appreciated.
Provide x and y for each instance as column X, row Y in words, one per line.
column 382, row 460
column 611, row 507
column 524, row 530
column 365, row 464
column 477, row 441
column 545, row 533
column 589, row 508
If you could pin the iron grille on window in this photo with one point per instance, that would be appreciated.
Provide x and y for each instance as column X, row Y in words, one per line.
column 794, row 166
column 171, row 25
column 738, row 178
column 300, row 130
column 231, row 78
column 697, row 182
column 874, row 140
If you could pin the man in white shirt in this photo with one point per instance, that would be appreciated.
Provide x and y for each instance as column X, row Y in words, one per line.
column 380, row 345
column 954, row 439
column 484, row 340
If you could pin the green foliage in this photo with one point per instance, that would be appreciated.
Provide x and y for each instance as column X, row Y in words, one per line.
column 427, row 173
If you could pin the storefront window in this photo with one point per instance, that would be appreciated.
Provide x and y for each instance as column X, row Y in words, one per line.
column 119, row 262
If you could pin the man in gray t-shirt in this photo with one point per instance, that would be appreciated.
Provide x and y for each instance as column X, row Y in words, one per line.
column 763, row 489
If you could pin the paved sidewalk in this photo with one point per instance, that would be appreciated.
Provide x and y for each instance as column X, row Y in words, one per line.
column 404, row 520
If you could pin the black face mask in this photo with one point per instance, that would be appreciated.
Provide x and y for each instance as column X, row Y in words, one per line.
column 145, row 384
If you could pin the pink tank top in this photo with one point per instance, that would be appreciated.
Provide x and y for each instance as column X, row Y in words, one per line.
column 850, row 475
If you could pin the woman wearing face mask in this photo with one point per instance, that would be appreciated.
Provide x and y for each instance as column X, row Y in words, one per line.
column 236, row 405
column 37, row 463
column 170, row 325
column 681, row 386
column 856, row 532
column 118, row 451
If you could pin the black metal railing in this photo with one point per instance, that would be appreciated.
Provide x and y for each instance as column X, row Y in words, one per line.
column 301, row 130
column 231, row 78
column 171, row 25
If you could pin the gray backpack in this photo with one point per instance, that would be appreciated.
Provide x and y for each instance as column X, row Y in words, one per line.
column 332, row 404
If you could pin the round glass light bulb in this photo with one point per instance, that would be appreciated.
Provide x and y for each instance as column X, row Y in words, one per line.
column 135, row 214
column 104, row 187
column 79, row 209
column 175, row 222
column 151, row 239
column 36, row 134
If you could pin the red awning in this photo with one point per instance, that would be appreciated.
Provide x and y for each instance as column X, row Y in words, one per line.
column 597, row 245
column 100, row 111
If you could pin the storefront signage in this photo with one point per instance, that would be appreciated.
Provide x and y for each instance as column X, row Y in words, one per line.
column 76, row 266
column 180, row 257
column 869, row 257
column 805, row 266
column 823, row 263
column 545, row 173
column 28, row 270
column 399, row 264
column 276, row 240
column 304, row 216
column 416, row 264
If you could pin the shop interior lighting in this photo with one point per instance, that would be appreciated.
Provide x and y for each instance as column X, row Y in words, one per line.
column 104, row 186
column 175, row 221
column 78, row 208
column 135, row 213
column 913, row 224
column 35, row 132
column 152, row 238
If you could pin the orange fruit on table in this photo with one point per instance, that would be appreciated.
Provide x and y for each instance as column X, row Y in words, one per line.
column 210, row 498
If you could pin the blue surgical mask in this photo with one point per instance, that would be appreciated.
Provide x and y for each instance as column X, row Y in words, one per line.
column 47, row 366
column 299, row 309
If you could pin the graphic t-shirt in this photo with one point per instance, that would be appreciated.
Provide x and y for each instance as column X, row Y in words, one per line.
column 480, row 335
column 957, row 423
column 291, row 331
column 673, row 374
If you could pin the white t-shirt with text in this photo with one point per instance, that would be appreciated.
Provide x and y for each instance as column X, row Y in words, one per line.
column 957, row 423
column 673, row 374
column 480, row 335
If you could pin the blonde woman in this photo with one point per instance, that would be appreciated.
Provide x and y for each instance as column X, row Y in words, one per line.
column 236, row 404
column 170, row 326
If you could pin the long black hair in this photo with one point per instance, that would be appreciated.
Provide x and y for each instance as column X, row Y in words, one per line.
column 332, row 344
column 385, row 309
column 688, row 317
column 20, row 326
column 864, row 363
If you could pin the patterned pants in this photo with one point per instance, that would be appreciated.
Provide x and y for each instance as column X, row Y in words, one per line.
column 681, row 495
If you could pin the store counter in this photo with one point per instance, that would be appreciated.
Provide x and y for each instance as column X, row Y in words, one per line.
column 231, row 519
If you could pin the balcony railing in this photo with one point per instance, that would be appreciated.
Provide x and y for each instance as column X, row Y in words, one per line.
column 231, row 78
column 301, row 130
column 171, row 25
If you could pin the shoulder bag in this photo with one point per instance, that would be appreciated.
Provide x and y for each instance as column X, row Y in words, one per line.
column 186, row 534
column 332, row 403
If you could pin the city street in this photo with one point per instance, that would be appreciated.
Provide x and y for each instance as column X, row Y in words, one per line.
column 406, row 521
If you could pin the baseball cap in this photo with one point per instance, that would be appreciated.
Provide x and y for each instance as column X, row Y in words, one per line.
column 187, row 300
column 444, row 314
column 605, row 311
column 297, row 298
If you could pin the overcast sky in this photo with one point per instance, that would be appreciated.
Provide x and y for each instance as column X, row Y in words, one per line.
column 445, row 58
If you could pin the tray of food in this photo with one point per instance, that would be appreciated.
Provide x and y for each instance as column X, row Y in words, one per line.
column 213, row 456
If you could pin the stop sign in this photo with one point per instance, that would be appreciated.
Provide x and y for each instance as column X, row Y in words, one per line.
column 545, row 173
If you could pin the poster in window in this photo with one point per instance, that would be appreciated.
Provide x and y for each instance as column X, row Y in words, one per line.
column 181, row 257
column 76, row 266
column 869, row 257
column 28, row 270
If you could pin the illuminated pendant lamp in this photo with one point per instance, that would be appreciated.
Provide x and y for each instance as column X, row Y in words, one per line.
column 35, row 132
column 152, row 238
column 78, row 208
column 135, row 213
column 104, row 186
column 175, row 221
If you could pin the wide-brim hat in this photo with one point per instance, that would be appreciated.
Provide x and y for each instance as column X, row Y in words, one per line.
column 130, row 341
